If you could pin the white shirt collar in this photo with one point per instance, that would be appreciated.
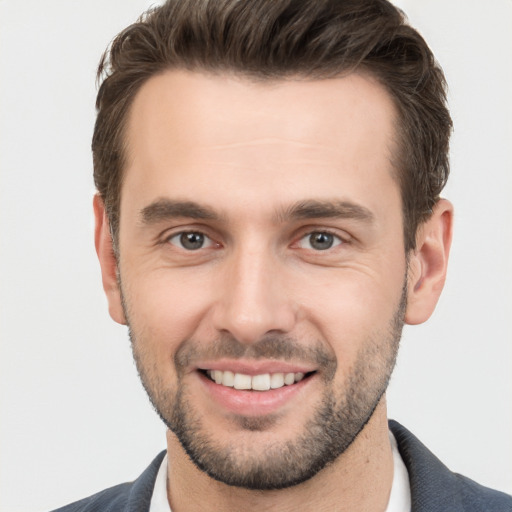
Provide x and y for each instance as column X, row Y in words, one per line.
column 400, row 495
column 159, row 502
column 399, row 498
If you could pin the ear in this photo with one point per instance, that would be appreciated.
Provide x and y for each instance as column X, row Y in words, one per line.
column 108, row 261
column 428, row 263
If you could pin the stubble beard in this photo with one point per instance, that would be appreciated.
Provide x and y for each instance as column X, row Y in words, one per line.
column 331, row 428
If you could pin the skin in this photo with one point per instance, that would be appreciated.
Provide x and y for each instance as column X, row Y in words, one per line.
column 248, row 153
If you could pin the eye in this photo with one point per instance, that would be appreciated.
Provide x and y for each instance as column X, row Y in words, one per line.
column 191, row 240
column 319, row 241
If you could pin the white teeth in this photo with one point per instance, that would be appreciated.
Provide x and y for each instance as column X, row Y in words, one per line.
column 262, row 382
column 228, row 379
column 242, row 381
column 276, row 380
column 289, row 379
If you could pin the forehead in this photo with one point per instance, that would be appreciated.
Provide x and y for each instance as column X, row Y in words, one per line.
column 205, row 107
column 198, row 131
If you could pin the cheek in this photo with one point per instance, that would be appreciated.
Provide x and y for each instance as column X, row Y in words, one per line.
column 352, row 309
column 165, row 308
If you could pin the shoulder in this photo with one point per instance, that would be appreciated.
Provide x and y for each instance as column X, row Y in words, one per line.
column 477, row 497
column 435, row 488
column 108, row 500
column 129, row 496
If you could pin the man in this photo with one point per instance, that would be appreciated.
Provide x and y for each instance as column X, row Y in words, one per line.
column 268, row 216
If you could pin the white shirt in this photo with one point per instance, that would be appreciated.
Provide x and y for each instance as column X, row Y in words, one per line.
column 399, row 498
column 159, row 502
column 400, row 495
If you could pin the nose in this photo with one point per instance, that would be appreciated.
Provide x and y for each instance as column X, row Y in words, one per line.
column 253, row 299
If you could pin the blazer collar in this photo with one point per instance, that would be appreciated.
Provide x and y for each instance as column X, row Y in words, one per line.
column 433, row 485
column 141, row 491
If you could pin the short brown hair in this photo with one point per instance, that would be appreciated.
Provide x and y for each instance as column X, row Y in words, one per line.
column 276, row 39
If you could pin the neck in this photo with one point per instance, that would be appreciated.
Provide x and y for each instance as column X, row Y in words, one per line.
column 358, row 480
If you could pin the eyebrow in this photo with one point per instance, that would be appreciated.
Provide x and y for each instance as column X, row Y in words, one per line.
column 336, row 209
column 165, row 209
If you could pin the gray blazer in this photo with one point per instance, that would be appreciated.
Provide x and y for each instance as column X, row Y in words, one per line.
column 434, row 488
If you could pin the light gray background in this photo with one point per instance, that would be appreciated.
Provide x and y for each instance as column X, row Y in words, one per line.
column 74, row 418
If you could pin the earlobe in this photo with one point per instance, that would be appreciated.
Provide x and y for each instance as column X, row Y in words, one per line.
column 428, row 263
column 108, row 262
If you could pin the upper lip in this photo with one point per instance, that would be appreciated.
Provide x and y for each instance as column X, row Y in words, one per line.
column 256, row 367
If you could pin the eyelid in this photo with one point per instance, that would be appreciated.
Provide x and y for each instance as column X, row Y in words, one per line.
column 306, row 236
column 306, row 231
column 303, row 233
column 208, row 242
column 176, row 232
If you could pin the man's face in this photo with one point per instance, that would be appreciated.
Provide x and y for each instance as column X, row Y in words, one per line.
column 261, row 247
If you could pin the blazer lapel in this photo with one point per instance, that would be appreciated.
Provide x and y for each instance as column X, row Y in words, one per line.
column 434, row 488
column 141, row 491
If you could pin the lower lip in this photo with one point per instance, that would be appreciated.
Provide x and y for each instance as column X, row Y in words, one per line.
column 253, row 403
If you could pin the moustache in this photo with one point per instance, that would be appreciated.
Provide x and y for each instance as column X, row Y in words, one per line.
column 271, row 346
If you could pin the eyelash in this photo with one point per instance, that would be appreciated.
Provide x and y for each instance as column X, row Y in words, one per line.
column 180, row 234
column 323, row 232
column 336, row 240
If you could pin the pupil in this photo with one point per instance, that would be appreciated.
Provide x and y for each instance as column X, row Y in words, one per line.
column 192, row 241
column 321, row 241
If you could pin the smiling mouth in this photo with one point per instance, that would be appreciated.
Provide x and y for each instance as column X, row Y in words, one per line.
column 262, row 382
